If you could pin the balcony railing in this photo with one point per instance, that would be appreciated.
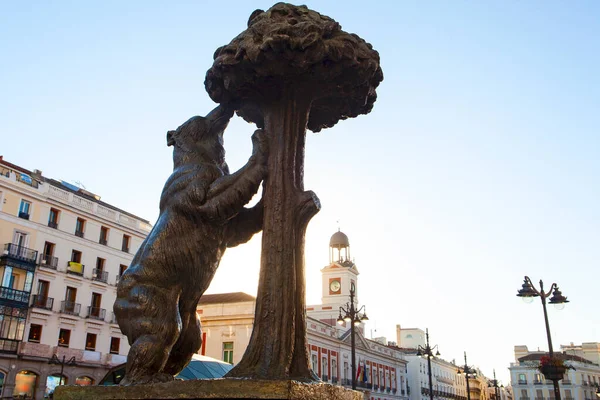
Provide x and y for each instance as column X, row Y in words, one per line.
column 334, row 379
column 44, row 302
column 11, row 294
column 522, row 382
column 75, row 268
column 103, row 241
column 9, row 346
column 48, row 261
column 565, row 382
column 125, row 248
column 53, row 224
column 70, row 307
column 96, row 313
column 20, row 253
column 536, row 382
column 324, row 378
column 23, row 215
column 113, row 319
column 99, row 275
column 79, row 233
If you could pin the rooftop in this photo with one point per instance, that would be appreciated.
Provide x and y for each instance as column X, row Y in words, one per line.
column 36, row 175
column 563, row 356
column 235, row 297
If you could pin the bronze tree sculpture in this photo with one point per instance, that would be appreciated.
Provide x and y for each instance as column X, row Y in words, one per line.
column 292, row 68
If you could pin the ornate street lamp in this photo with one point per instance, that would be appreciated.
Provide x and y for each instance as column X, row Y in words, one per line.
column 494, row 383
column 427, row 351
column 354, row 316
column 54, row 360
column 527, row 293
column 469, row 372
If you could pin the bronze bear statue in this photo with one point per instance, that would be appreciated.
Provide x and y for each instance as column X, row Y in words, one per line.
column 201, row 214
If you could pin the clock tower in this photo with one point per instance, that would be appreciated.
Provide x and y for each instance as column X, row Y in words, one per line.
column 340, row 276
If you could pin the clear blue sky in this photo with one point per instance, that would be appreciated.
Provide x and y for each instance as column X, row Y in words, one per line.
column 478, row 165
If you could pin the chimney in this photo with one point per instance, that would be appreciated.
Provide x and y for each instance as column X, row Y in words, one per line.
column 398, row 335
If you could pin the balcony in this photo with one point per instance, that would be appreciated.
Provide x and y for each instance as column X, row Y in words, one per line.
column 70, row 307
column 96, row 313
column 522, row 382
column 9, row 346
column 394, row 390
column 48, row 261
column 103, row 241
column 334, row 379
column 125, row 248
column 539, row 398
column 24, row 215
column 42, row 302
column 79, row 233
column 113, row 319
column 53, row 225
column 75, row 268
column 99, row 275
column 536, row 382
column 18, row 296
column 19, row 253
column 324, row 378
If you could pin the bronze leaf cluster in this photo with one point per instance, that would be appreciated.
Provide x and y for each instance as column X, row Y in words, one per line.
column 293, row 48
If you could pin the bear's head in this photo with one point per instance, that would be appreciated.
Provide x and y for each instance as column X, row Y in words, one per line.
column 200, row 139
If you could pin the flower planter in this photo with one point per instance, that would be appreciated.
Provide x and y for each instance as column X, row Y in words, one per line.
column 553, row 372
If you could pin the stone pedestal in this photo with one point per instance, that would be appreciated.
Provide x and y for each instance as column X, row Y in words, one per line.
column 211, row 389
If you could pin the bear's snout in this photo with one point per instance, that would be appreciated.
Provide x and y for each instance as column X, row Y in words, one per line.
column 170, row 139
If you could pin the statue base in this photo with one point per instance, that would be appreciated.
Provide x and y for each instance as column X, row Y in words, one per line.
column 211, row 389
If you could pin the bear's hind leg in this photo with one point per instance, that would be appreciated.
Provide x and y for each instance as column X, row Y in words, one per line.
column 153, row 323
column 188, row 344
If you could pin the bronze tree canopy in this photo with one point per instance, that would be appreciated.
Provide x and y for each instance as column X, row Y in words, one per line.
column 292, row 69
column 292, row 45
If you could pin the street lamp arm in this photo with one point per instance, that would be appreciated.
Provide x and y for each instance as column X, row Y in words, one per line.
column 533, row 287
column 554, row 285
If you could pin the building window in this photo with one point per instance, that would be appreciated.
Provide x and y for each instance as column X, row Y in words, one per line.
column 80, row 227
column 104, row 235
column 64, row 336
column 228, row 352
column 35, row 333
column 53, row 218
column 126, row 243
column 333, row 369
column 100, row 264
column 115, row 345
column 324, row 366
column 76, row 256
column 90, row 342
column 24, row 209
column 522, row 378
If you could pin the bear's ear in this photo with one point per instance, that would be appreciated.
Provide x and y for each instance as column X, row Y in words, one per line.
column 170, row 138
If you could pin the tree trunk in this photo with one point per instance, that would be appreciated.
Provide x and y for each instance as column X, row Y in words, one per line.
column 278, row 348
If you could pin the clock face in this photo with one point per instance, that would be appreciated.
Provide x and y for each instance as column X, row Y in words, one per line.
column 335, row 286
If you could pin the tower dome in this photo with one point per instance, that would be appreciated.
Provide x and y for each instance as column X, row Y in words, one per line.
column 339, row 241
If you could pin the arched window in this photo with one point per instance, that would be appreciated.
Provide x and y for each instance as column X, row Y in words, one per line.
column 25, row 383
column 2, row 376
column 53, row 381
column 84, row 381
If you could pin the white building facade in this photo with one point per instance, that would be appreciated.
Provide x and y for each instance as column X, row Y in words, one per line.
column 63, row 252
column 528, row 383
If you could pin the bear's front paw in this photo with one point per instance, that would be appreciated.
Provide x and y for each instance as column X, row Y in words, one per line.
column 260, row 146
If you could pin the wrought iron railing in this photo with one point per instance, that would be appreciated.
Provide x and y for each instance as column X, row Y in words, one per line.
column 44, row 302
column 20, row 253
column 48, row 261
column 20, row 296
column 53, row 224
column 99, row 275
column 103, row 241
column 79, row 233
column 96, row 313
column 70, row 307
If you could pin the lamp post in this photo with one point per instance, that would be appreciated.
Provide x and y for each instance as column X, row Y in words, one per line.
column 427, row 351
column 494, row 384
column 527, row 293
column 354, row 316
column 54, row 360
column 467, row 371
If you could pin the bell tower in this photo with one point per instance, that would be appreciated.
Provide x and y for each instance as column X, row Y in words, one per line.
column 341, row 274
